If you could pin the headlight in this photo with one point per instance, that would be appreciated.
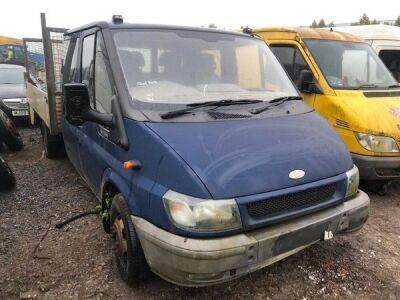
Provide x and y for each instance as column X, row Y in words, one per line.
column 200, row 214
column 353, row 179
column 377, row 143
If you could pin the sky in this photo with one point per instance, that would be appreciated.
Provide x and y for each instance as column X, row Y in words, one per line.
column 22, row 18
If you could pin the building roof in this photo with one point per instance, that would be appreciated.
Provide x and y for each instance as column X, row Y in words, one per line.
column 309, row 33
column 373, row 32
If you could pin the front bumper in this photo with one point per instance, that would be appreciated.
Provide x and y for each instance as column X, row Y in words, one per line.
column 20, row 108
column 201, row 262
column 377, row 168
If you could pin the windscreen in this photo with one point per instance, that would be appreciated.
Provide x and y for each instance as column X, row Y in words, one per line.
column 11, row 76
column 349, row 64
column 185, row 66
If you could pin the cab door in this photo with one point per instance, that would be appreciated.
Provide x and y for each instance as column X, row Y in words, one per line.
column 294, row 61
column 97, row 151
column 71, row 133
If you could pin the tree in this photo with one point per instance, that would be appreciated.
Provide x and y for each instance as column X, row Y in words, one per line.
column 364, row 20
column 397, row 23
column 331, row 24
column 212, row 25
column 374, row 22
column 321, row 23
column 314, row 24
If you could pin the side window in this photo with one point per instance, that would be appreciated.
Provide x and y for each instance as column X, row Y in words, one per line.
column 391, row 58
column 291, row 59
column 70, row 61
column 102, row 82
column 87, row 63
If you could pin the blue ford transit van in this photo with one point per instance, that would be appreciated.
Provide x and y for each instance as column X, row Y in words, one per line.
column 206, row 160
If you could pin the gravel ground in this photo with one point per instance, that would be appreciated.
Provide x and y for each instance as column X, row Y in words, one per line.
column 76, row 262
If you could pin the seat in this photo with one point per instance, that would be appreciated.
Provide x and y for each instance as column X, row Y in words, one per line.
column 395, row 69
column 170, row 62
column 132, row 63
column 204, row 72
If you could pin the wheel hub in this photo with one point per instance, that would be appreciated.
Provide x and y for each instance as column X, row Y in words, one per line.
column 119, row 236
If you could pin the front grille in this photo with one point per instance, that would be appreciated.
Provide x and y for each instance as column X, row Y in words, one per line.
column 291, row 202
column 222, row 115
column 342, row 123
column 16, row 104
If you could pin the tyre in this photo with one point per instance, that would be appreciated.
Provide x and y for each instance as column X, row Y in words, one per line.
column 9, row 133
column 51, row 143
column 7, row 179
column 129, row 255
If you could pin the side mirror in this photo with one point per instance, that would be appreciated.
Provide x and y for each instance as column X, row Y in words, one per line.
column 78, row 110
column 307, row 84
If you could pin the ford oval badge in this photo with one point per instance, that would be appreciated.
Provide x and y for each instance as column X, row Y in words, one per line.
column 297, row 174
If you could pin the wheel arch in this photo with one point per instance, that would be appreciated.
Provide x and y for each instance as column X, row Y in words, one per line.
column 113, row 184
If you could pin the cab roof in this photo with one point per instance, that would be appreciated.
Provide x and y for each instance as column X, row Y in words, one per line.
column 307, row 33
column 124, row 25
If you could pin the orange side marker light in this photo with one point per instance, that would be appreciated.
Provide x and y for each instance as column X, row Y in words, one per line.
column 132, row 165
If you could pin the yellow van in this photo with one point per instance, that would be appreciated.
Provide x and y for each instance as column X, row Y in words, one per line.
column 342, row 78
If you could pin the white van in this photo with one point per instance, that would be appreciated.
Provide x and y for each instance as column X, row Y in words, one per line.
column 384, row 39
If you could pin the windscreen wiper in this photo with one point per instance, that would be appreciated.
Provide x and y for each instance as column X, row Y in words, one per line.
column 275, row 102
column 191, row 106
column 367, row 86
column 374, row 86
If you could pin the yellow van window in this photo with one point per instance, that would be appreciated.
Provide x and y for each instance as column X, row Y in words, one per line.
column 291, row 59
column 248, row 66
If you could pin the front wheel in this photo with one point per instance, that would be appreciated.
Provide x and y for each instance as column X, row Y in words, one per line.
column 129, row 256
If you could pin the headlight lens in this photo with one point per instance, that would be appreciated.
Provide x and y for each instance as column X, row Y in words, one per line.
column 353, row 180
column 200, row 214
column 377, row 143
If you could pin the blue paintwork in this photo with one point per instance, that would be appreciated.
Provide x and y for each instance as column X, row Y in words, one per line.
column 247, row 157
column 248, row 160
